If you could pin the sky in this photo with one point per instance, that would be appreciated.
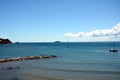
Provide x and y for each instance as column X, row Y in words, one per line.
column 63, row 20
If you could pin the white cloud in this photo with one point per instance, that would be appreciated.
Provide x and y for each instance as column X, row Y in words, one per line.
column 74, row 35
column 113, row 32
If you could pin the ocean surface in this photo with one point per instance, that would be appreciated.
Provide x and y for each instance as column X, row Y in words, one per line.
column 75, row 61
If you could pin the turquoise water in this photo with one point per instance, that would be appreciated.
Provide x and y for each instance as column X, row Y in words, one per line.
column 76, row 61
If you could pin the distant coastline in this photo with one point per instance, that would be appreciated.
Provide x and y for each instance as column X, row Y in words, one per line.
column 5, row 41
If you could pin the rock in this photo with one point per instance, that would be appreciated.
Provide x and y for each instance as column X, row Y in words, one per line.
column 5, row 41
column 26, row 58
column 9, row 67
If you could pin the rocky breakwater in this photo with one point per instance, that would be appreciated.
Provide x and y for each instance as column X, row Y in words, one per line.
column 5, row 41
column 26, row 58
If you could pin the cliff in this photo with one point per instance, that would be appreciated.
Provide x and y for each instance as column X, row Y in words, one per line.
column 5, row 41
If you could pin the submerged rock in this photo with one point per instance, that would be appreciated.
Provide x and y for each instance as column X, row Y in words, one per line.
column 9, row 67
column 5, row 41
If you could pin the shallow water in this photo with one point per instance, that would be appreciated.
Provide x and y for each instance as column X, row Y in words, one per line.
column 76, row 61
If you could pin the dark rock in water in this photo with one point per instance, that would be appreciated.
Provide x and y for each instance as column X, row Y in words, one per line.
column 5, row 41
column 26, row 58
column 10, row 68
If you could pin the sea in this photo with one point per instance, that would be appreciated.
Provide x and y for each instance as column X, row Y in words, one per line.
column 75, row 61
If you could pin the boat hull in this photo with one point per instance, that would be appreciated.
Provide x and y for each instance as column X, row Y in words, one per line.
column 113, row 50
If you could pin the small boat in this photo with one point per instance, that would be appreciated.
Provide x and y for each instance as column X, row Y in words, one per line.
column 113, row 50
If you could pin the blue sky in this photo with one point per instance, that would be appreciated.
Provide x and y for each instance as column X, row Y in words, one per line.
column 51, row 20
